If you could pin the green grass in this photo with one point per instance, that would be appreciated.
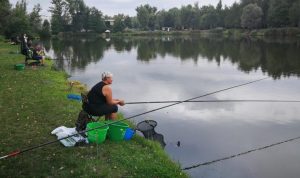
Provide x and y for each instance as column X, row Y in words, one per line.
column 275, row 32
column 33, row 103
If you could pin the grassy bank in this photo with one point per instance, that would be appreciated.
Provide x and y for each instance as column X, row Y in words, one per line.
column 33, row 103
column 270, row 32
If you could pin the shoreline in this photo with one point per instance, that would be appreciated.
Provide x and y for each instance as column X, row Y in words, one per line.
column 33, row 103
column 269, row 32
column 217, row 32
column 274, row 32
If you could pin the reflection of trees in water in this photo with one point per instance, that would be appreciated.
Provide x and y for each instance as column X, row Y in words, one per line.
column 250, row 58
column 281, row 59
column 275, row 57
column 121, row 44
column 78, row 52
column 147, row 50
column 47, row 44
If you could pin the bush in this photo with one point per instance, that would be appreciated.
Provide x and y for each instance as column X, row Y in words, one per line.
column 282, row 32
column 2, row 38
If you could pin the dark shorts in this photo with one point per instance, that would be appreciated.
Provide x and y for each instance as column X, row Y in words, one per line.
column 37, row 57
column 100, row 110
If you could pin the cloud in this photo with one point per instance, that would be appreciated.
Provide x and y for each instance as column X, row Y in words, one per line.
column 127, row 7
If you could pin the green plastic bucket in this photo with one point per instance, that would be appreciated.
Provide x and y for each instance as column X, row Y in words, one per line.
column 117, row 131
column 19, row 66
column 98, row 135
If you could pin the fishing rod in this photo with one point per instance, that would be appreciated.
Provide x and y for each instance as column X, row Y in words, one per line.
column 217, row 101
column 18, row 152
column 239, row 154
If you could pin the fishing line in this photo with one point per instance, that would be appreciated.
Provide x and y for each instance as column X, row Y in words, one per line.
column 217, row 101
column 17, row 152
column 239, row 154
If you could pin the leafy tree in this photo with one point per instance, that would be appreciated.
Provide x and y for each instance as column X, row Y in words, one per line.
column 5, row 12
column 119, row 25
column 127, row 22
column 196, row 16
column 232, row 18
column 160, row 19
column 56, row 25
column 169, row 20
column 143, row 17
column 251, row 16
column 209, row 18
column 60, row 18
column 152, row 16
column 187, row 16
column 246, row 2
column 18, row 21
column 95, row 21
column 175, row 14
column 146, row 16
column 135, row 22
column 264, row 4
column 219, row 6
column 78, row 11
column 278, row 13
column 152, row 21
column 294, row 14
column 35, row 19
column 45, row 31
column 220, row 14
column 86, row 14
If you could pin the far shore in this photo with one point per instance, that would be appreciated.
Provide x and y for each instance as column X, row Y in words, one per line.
column 226, row 33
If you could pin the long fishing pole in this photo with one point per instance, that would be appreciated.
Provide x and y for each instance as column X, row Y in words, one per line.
column 216, row 101
column 239, row 154
column 17, row 152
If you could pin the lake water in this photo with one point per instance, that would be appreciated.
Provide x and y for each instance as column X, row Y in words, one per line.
column 179, row 68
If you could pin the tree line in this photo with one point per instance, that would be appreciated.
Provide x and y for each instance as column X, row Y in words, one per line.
column 249, row 14
column 16, row 20
column 76, row 16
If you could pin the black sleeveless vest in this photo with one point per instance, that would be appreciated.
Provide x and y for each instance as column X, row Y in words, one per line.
column 95, row 96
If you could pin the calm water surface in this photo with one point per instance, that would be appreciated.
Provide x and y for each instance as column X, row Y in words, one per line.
column 168, row 68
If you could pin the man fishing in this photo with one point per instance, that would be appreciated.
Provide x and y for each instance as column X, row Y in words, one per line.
column 100, row 100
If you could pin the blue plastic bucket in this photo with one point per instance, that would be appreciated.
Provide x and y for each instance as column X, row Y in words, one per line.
column 129, row 133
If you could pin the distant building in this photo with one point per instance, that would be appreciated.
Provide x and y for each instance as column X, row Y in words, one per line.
column 166, row 29
column 110, row 22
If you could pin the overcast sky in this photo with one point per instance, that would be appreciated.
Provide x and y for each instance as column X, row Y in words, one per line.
column 127, row 7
